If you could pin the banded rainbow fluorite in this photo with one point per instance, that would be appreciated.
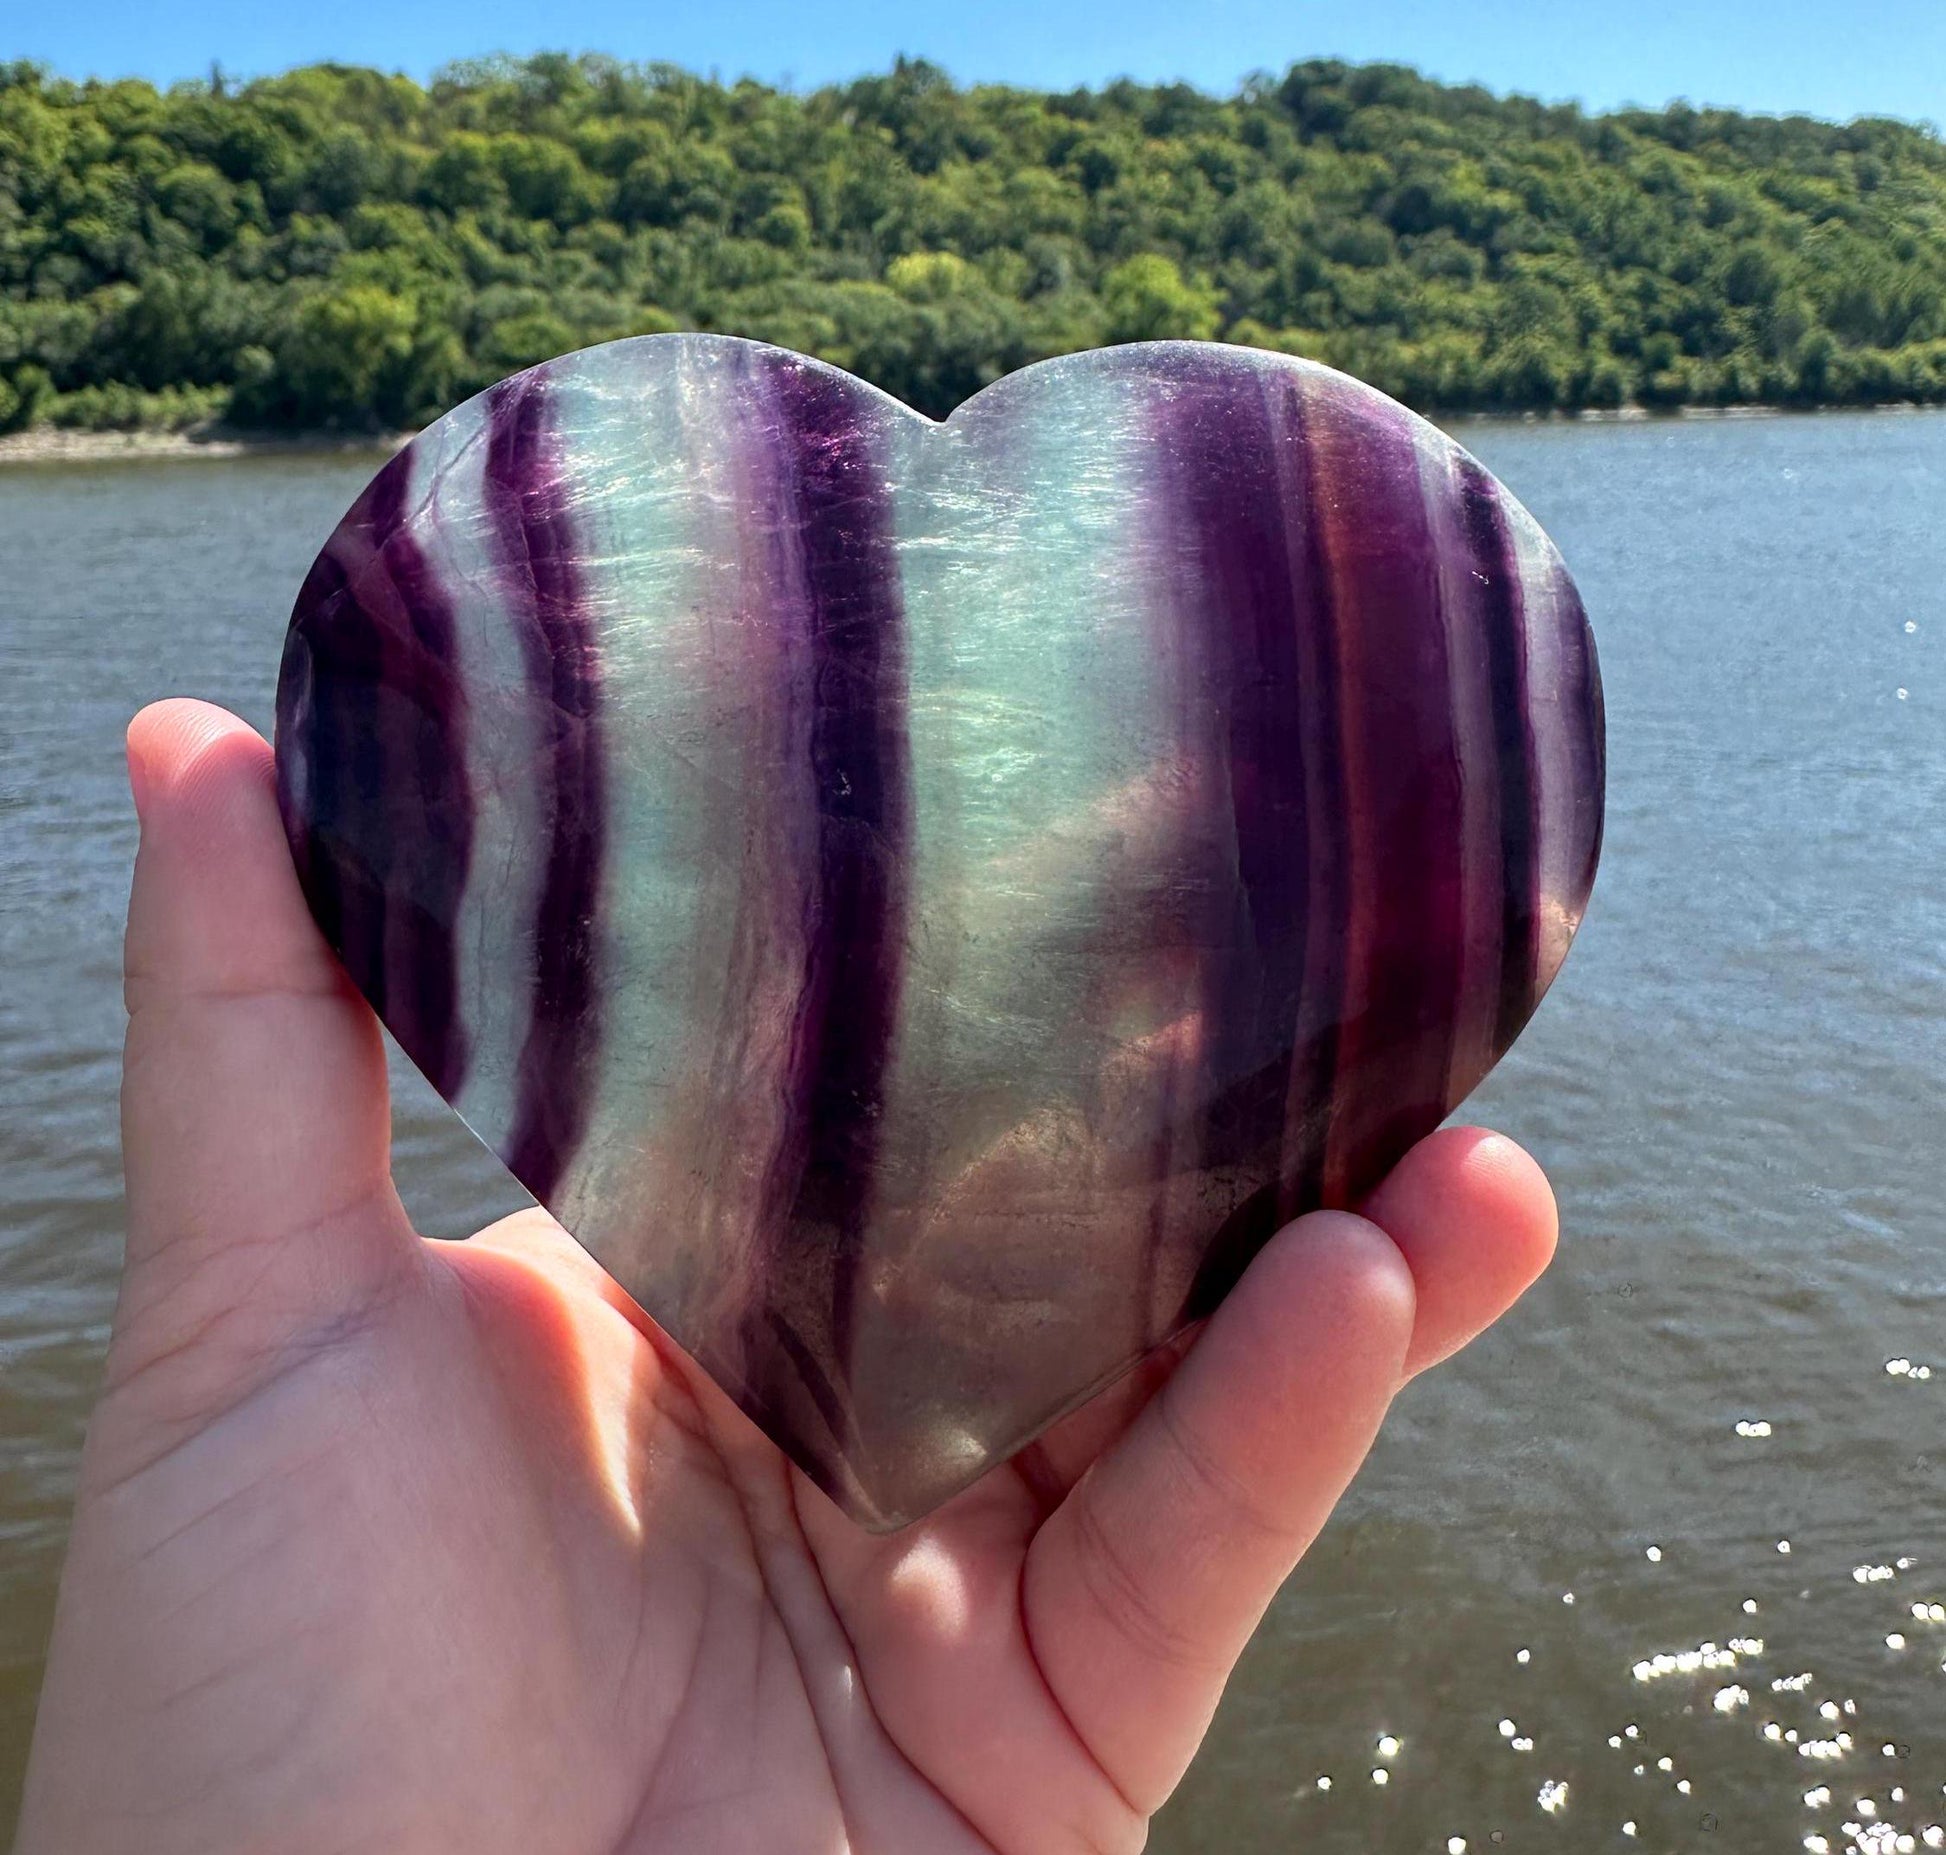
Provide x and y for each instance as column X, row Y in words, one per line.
column 922, row 903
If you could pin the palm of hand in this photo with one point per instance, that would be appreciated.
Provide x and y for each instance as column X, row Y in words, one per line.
column 392, row 1544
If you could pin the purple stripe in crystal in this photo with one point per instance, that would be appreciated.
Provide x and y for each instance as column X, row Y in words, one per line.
column 847, row 612
column 1585, row 719
column 1249, row 603
column 371, row 705
column 311, row 759
column 1496, row 573
column 1225, row 451
column 1253, row 585
column 1318, row 729
column 528, row 494
column 1404, row 811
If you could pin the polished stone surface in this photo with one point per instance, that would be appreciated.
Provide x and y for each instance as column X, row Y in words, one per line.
column 920, row 902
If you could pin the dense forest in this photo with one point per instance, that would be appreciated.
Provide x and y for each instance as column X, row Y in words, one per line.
column 340, row 248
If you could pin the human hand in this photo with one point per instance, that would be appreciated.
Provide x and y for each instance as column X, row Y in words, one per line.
column 384, row 1543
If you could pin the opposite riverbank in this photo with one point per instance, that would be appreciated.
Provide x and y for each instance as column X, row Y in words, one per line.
column 339, row 246
column 51, row 445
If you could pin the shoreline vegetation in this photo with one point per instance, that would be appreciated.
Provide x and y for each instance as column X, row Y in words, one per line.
column 335, row 254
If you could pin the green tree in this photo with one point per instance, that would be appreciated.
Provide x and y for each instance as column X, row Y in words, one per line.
column 338, row 246
column 341, row 358
column 1146, row 298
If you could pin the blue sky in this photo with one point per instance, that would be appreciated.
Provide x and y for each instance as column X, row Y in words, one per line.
column 1873, row 57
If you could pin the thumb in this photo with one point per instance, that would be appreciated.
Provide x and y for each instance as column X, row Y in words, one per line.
column 255, row 1124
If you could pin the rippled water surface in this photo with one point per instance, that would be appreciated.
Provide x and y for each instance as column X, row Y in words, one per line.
column 1558, row 1602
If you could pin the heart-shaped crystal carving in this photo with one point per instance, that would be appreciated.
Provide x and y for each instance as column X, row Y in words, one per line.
column 921, row 903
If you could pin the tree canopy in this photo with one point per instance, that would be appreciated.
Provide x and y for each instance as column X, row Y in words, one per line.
column 336, row 247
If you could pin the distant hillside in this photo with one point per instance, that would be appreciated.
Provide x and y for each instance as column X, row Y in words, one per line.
column 336, row 247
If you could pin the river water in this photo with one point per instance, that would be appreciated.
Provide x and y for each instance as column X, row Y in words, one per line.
column 1738, row 1085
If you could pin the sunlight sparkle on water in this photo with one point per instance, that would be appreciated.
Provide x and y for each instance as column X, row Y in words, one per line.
column 1716, row 1680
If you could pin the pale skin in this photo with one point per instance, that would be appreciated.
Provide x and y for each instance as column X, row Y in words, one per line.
column 385, row 1543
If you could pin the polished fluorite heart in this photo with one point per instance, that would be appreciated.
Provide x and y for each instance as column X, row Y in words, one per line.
column 922, row 903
